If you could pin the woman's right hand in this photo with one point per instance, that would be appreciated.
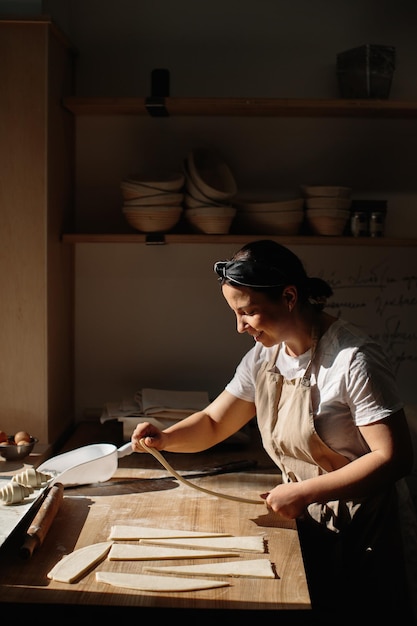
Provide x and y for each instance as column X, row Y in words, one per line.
column 153, row 437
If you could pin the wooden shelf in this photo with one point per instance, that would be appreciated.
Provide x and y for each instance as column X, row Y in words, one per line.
column 245, row 107
column 235, row 239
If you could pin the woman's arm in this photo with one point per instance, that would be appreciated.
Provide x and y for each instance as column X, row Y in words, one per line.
column 390, row 458
column 219, row 420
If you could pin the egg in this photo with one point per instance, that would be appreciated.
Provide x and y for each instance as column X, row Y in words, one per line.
column 22, row 437
column 3, row 437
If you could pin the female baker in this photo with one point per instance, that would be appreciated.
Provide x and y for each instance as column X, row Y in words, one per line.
column 330, row 417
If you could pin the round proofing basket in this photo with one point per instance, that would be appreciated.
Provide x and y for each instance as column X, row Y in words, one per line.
column 131, row 191
column 269, row 222
column 166, row 199
column 194, row 195
column 154, row 219
column 211, row 175
column 194, row 192
column 327, row 222
column 212, row 210
column 169, row 182
column 211, row 220
column 192, row 203
column 328, row 203
column 314, row 191
column 295, row 204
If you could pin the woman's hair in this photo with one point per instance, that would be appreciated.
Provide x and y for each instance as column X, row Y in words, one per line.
column 267, row 266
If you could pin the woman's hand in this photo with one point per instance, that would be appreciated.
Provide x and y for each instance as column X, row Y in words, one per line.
column 286, row 500
column 154, row 438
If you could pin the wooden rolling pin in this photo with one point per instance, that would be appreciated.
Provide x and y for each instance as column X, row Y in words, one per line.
column 42, row 521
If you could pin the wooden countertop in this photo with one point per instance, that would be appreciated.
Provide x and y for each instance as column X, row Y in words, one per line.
column 142, row 492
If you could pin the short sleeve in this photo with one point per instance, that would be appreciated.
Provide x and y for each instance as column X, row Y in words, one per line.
column 242, row 385
column 371, row 386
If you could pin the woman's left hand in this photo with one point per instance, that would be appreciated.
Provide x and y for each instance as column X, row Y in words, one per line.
column 286, row 500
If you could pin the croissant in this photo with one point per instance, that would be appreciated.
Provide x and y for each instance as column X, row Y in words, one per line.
column 15, row 492
column 31, row 477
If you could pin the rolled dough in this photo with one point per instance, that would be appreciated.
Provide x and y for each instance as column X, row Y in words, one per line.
column 126, row 552
column 170, row 469
column 250, row 543
column 254, row 568
column 74, row 565
column 122, row 532
column 145, row 582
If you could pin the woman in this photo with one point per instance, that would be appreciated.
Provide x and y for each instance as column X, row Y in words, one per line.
column 330, row 417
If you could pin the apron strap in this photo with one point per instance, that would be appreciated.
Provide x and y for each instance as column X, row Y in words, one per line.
column 315, row 336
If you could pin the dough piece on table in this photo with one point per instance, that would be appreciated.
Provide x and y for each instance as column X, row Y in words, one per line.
column 145, row 582
column 249, row 543
column 253, row 568
column 121, row 532
column 74, row 565
column 126, row 552
column 13, row 493
column 31, row 477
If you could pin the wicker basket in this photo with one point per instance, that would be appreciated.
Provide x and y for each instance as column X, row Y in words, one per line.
column 269, row 222
column 211, row 175
column 211, row 220
column 153, row 220
column 327, row 222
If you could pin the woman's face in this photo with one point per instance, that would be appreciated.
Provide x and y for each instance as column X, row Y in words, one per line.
column 266, row 321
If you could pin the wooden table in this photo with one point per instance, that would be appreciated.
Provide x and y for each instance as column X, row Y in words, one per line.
column 144, row 493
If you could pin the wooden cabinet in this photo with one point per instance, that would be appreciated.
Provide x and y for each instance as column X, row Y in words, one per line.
column 36, row 282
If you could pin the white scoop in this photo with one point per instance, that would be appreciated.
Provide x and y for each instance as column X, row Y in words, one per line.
column 89, row 464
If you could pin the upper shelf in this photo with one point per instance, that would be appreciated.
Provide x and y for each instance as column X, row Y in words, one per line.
column 249, row 107
column 158, row 239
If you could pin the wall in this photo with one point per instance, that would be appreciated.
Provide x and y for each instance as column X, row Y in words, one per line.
column 153, row 316
column 235, row 48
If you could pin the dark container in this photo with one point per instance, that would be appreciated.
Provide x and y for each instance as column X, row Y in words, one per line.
column 368, row 218
column 366, row 72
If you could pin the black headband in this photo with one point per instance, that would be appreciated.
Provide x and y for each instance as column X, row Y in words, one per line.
column 250, row 274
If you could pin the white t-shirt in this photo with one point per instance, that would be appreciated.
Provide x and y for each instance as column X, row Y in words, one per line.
column 351, row 379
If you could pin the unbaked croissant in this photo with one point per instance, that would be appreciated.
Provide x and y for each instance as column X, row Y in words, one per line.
column 15, row 492
column 31, row 477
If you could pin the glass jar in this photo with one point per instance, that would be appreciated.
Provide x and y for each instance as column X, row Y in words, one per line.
column 359, row 224
column 376, row 224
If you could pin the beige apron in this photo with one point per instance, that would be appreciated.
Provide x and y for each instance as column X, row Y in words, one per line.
column 286, row 423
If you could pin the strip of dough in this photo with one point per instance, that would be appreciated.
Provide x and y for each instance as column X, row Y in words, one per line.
column 145, row 582
column 125, row 552
column 253, row 568
column 74, row 565
column 170, row 469
column 249, row 543
column 122, row 532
